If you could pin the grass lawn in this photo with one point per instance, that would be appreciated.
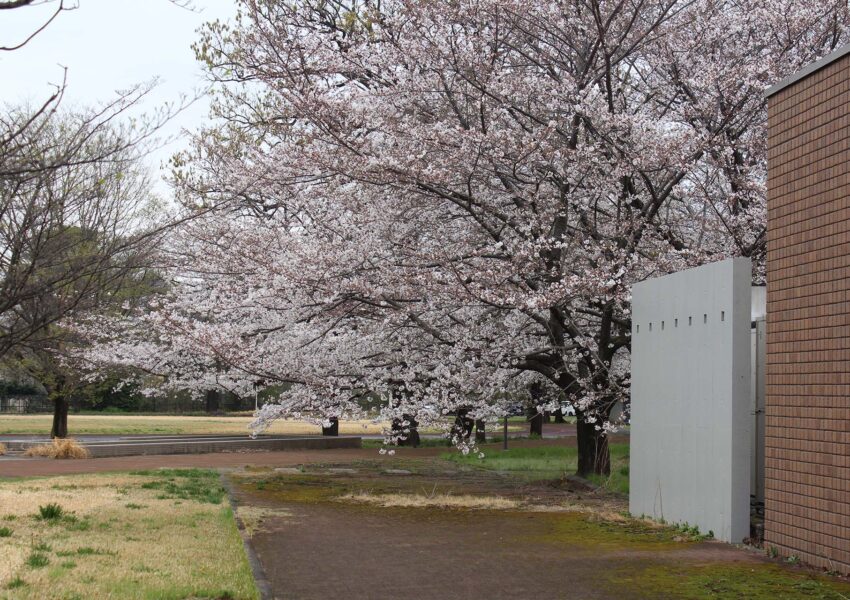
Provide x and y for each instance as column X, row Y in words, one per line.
column 548, row 462
column 124, row 424
column 167, row 534
column 167, row 425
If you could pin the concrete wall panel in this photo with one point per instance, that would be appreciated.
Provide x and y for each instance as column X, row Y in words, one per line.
column 690, row 408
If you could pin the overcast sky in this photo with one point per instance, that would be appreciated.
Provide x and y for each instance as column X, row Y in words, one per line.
column 109, row 45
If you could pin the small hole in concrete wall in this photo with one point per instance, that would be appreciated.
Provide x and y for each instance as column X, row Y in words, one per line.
column 705, row 318
column 675, row 322
column 690, row 320
column 662, row 325
column 722, row 315
column 650, row 326
column 638, row 329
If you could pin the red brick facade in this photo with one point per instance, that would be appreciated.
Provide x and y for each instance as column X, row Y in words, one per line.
column 807, row 443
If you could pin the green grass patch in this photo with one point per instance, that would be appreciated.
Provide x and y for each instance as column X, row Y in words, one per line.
column 548, row 462
column 592, row 533
column 5, row 532
column 724, row 581
column 308, row 489
column 200, row 485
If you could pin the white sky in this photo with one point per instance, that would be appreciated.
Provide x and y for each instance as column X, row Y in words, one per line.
column 109, row 45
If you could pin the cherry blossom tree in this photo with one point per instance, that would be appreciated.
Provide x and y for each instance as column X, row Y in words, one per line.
column 430, row 205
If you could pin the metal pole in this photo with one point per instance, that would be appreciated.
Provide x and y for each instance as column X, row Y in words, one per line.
column 505, row 436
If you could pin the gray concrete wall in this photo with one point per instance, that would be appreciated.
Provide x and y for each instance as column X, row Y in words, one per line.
column 690, row 405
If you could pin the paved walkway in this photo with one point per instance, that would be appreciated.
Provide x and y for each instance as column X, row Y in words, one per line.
column 314, row 547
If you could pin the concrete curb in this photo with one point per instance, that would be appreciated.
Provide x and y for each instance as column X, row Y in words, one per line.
column 205, row 445
column 264, row 586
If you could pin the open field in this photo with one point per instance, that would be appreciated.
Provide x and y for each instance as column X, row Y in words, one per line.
column 127, row 424
column 161, row 534
column 168, row 424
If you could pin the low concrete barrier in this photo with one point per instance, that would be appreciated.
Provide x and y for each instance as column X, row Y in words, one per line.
column 202, row 445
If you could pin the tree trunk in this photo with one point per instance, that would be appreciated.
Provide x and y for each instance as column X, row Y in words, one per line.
column 60, row 418
column 213, row 401
column 407, row 436
column 463, row 425
column 535, row 422
column 480, row 431
column 535, row 417
column 547, row 416
column 593, row 455
column 333, row 429
column 559, row 416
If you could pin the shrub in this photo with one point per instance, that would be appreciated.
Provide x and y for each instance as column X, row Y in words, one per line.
column 50, row 512
column 5, row 532
column 59, row 448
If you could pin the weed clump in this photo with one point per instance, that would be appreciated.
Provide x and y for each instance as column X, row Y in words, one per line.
column 37, row 560
column 59, row 448
column 15, row 583
column 50, row 512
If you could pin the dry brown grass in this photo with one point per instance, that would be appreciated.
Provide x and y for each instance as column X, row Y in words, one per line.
column 59, row 448
column 434, row 500
column 171, row 425
column 255, row 518
column 122, row 536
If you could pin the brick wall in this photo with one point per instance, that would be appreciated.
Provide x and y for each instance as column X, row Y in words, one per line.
column 807, row 464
